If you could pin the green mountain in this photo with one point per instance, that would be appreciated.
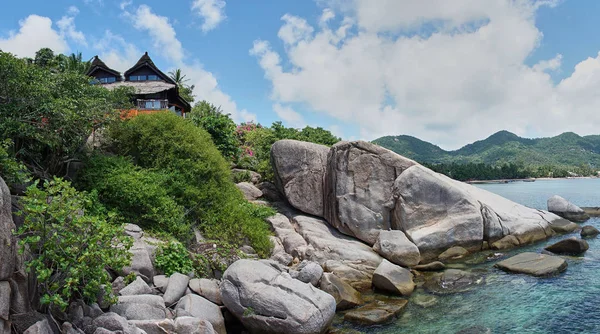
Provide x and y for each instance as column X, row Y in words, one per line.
column 566, row 150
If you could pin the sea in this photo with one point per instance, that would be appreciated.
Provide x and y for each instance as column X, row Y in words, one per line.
column 514, row 303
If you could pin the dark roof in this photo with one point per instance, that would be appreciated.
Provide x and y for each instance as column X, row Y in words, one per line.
column 99, row 64
column 145, row 60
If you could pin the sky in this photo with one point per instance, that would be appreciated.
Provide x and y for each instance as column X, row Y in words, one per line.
column 448, row 72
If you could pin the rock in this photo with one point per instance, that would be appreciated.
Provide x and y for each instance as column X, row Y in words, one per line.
column 140, row 307
column 376, row 312
column 190, row 325
column 141, row 262
column 134, row 231
column 591, row 211
column 176, row 288
column 589, row 231
column 201, row 308
column 452, row 281
column 563, row 226
column 292, row 242
column 254, row 176
column 113, row 322
column 269, row 301
column 249, row 190
column 67, row 328
column 4, row 300
column 437, row 213
column 475, row 330
column 161, row 282
column 299, row 170
column 118, row 284
column 278, row 253
column 566, row 209
column 346, row 296
column 508, row 242
column 310, row 272
column 453, row 253
column 270, row 192
column 393, row 278
column 22, row 321
column 137, row 287
column 40, row 327
column 570, row 246
column 155, row 326
column 533, row 264
column 424, row 301
column 207, row 288
column 395, row 247
column 8, row 242
column 431, row 266
column 358, row 188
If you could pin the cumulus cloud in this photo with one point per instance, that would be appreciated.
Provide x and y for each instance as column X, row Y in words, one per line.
column 289, row 116
column 35, row 32
column 116, row 52
column 211, row 11
column 379, row 68
column 67, row 28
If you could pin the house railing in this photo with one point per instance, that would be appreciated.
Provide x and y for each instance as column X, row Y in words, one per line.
column 152, row 104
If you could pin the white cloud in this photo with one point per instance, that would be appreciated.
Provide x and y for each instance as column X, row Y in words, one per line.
column 35, row 32
column 378, row 69
column 67, row 28
column 211, row 11
column 289, row 116
column 116, row 52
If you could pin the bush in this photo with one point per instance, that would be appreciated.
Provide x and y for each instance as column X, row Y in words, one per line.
column 71, row 245
column 220, row 126
column 11, row 170
column 139, row 195
column 172, row 257
column 199, row 178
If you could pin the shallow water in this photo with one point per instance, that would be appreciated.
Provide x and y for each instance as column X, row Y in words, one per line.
column 509, row 303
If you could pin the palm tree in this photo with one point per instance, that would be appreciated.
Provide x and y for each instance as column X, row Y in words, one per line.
column 185, row 90
column 73, row 63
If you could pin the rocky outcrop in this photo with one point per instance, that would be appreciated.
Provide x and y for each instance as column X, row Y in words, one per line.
column 393, row 278
column 299, row 170
column 453, row 253
column 395, row 247
column 345, row 295
column 377, row 312
column 199, row 307
column 358, row 188
column 267, row 300
column 508, row 242
column 207, row 288
column 570, row 246
column 452, row 281
column 566, row 209
column 533, row 264
column 589, row 231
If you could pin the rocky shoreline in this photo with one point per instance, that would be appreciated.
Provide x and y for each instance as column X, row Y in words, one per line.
column 352, row 219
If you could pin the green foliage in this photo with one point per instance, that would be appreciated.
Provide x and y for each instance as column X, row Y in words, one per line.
column 197, row 176
column 244, row 176
column 11, row 170
column 71, row 246
column 49, row 115
column 185, row 90
column 139, row 195
column 172, row 257
column 220, row 126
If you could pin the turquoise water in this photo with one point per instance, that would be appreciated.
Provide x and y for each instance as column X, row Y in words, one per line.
column 509, row 303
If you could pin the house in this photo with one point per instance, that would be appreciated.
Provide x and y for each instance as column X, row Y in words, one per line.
column 154, row 90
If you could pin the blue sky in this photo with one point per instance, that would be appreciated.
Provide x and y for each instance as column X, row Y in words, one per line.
column 446, row 72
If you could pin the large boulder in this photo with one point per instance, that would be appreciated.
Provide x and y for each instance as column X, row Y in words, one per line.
column 566, row 209
column 533, row 264
column 393, row 278
column 207, row 288
column 310, row 272
column 140, row 307
column 137, row 287
column 452, row 281
column 249, row 190
column 570, row 246
column 395, row 247
column 191, row 325
column 199, row 307
column 345, row 295
column 178, row 283
column 589, row 231
column 266, row 300
column 299, row 170
column 358, row 188
column 8, row 242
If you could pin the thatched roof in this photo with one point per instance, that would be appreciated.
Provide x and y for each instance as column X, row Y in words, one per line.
column 145, row 60
column 142, row 87
column 97, row 63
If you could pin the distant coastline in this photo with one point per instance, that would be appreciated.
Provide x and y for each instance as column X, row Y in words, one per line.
column 500, row 181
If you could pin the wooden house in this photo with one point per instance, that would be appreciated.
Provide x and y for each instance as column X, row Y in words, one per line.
column 154, row 90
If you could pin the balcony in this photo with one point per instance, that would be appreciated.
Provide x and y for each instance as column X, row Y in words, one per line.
column 152, row 104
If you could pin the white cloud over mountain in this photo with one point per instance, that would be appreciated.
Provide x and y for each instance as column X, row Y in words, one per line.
column 446, row 71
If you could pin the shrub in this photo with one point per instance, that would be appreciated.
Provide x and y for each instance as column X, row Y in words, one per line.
column 139, row 195
column 220, row 126
column 198, row 176
column 11, row 170
column 71, row 246
column 172, row 257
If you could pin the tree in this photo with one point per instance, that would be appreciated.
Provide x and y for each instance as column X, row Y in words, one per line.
column 74, row 63
column 219, row 125
column 185, row 90
column 44, row 57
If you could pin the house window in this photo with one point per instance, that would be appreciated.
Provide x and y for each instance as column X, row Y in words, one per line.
column 137, row 78
column 133, row 78
column 107, row 80
column 152, row 77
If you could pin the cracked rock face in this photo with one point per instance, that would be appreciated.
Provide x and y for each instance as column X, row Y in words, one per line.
column 269, row 301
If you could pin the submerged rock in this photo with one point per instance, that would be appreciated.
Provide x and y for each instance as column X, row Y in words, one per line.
column 563, row 226
column 393, row 278
column 589, row 231
column 533, row 264
column 266, row 300
column 395, row 247
column 452, row 281
column 570, row 246
column 475, row 330
column 376, row 312
column 566, row 209
column 431, row 266
column 424, row 301
column 453, row 253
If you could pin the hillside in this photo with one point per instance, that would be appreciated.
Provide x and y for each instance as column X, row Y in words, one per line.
column 567, row 149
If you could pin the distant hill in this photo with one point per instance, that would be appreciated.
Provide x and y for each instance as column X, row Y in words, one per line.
column 567, row 149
